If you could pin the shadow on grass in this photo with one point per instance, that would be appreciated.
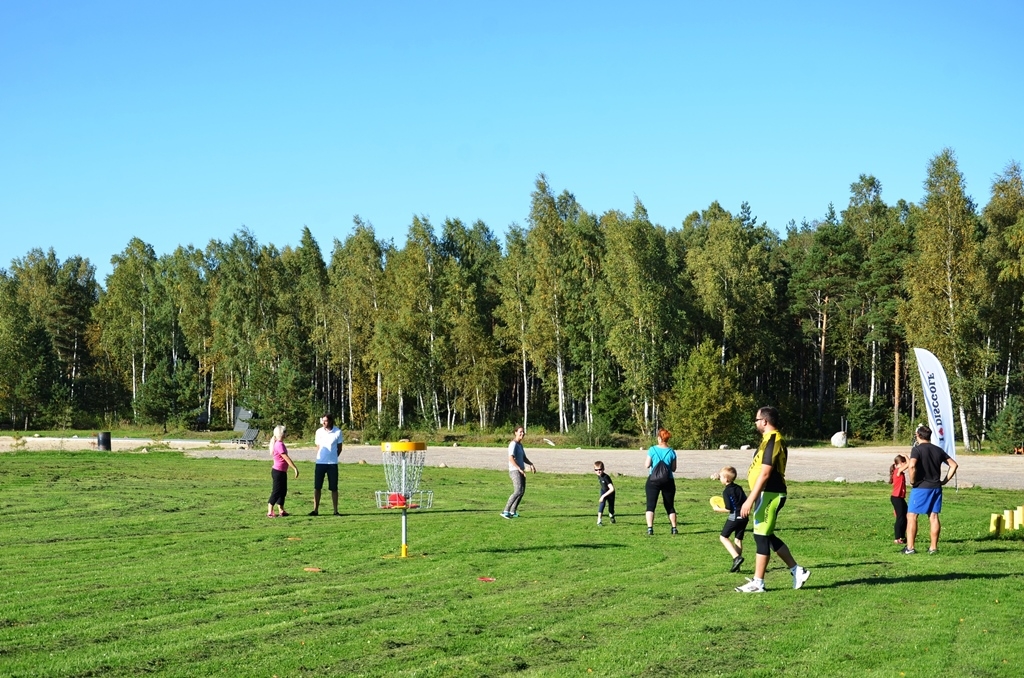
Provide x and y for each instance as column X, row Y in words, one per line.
column 825, row 566
column 554, row 547
column 914, row 578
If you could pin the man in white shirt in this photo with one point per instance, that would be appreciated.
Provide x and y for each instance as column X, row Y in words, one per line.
column 328, row 445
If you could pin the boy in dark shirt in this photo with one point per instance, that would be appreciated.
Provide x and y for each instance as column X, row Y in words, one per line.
column 733, row 497
column 607, row 493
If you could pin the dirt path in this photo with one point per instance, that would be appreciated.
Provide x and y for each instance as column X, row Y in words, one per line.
column 856, row 465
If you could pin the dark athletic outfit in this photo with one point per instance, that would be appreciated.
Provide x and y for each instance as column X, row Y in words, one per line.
column 660, row 481
column 605, row 480
column 734, row 496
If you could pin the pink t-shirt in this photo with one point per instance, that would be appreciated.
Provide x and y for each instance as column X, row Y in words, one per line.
column 279, row 463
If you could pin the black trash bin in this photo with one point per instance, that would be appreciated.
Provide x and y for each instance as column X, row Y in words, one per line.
column 103, row 441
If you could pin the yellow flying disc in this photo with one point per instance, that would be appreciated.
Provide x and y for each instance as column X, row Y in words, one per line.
column 717, row 502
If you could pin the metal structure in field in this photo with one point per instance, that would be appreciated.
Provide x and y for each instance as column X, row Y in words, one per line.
column 403, row 468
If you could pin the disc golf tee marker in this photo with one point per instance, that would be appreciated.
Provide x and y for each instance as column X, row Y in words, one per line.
column 403, row 468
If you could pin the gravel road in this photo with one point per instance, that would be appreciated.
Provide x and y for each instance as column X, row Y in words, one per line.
column 855, row 465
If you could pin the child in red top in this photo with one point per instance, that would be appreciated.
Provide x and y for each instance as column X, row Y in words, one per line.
column 898, row 480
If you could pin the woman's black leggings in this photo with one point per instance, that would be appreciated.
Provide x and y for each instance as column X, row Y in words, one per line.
column 667, row 489
column 899, row 505
column 280, row 490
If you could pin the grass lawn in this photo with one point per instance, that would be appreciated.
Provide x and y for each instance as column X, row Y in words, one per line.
column 129, row 564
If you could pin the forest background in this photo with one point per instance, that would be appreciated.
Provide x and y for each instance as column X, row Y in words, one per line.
column 577, row 323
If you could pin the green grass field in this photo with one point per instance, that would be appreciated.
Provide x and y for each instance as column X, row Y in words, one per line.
column 131, row 564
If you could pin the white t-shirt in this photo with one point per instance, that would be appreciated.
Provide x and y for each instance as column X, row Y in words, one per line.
column 518, row 454
column 327, row 443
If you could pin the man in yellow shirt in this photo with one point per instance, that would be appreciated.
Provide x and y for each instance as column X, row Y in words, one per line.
column 767, row 480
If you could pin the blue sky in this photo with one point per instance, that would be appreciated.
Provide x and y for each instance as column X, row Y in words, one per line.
column 183, row 122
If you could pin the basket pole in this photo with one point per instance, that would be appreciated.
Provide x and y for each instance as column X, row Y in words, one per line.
column 405, row 532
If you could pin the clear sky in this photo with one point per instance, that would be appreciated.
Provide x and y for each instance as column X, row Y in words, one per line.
column 181, row 122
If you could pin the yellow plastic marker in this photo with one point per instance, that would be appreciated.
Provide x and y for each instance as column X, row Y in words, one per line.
column 995, row 525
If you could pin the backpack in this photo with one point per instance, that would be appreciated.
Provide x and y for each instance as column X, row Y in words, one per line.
column 660, row 472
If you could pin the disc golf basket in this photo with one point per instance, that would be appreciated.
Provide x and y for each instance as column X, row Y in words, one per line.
column 403, row 468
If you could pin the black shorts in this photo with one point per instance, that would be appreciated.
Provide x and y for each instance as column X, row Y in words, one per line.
column 737, row 526
column 329, row 470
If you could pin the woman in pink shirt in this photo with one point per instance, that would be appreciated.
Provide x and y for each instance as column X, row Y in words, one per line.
column 898, row 480
column 279, row 473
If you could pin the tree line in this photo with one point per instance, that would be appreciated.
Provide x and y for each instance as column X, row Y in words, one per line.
column 577, row 322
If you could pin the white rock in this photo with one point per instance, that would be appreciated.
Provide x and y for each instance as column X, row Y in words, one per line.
column 840, row 479
column 723, row 447
column 744, row 447
column 442, row 465
column 839, row 439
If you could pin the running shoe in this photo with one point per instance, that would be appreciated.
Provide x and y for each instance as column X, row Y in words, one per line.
column 506, row 515
column 907, row 551
column 650, row 531
column 675, row 531
column 800, row 575
column 932, row 552
column 612, row 518
column 751, row 587
column 736, row 562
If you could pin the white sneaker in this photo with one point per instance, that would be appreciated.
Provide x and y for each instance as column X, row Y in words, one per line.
column 800, row 575
column 751, row 587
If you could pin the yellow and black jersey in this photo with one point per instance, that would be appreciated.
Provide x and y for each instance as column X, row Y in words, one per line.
column 771, row 452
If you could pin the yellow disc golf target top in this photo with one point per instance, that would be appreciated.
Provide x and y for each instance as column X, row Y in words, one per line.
column 403, row 467
column 402, row 446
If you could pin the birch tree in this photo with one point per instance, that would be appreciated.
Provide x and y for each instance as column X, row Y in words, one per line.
column 548, row 254
column 947, row 284
column 636, row 297
column 125, row 313
column 356, row 289
column 516, row 281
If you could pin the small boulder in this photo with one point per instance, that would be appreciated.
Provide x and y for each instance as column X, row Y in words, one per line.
column 839, row 439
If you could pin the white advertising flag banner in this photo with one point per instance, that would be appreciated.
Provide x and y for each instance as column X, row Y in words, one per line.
column 937, row 400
